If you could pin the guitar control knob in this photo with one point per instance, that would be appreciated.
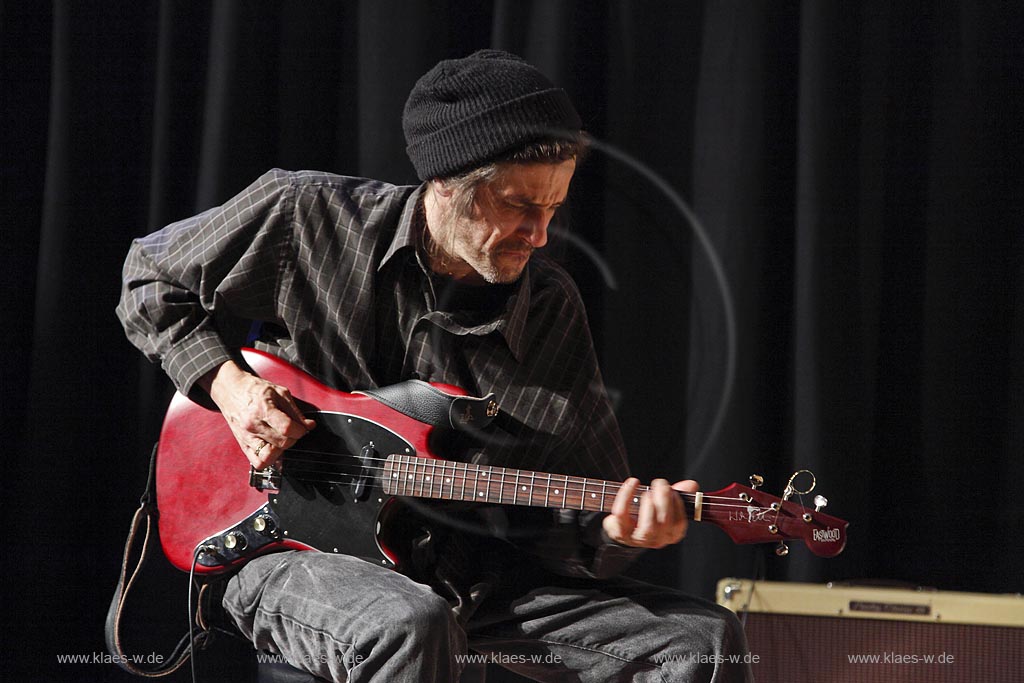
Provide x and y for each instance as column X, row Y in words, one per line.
column 265, row 525
column 235, row 541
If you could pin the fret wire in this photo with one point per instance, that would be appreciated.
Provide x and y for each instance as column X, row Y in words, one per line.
column 415, row 478
column 440, row 481
column 434, row 478
column 515, row 497
column 428, row 477
column 464, row 471
column 501, row 490
column 408, row 475
column 451, row 484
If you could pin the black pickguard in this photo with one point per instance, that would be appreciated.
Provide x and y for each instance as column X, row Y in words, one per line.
column 330, row 496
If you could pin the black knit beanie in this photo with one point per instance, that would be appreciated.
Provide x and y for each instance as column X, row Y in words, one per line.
column 466, row 112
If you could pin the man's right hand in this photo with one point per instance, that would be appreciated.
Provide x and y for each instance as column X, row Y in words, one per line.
column 262, row 415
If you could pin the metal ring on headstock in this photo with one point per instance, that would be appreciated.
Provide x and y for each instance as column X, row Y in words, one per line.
column 792, row 490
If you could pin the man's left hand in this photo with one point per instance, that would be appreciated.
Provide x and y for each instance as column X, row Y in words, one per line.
column 661, row 520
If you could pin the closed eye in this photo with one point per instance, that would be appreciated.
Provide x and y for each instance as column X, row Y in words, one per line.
column 520, row 206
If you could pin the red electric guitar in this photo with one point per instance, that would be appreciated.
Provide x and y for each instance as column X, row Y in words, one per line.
column 342, row 487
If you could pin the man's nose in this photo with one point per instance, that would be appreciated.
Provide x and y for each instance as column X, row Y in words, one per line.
column 534, row 227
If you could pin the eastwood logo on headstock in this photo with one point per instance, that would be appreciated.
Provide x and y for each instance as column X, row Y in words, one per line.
column 828, row 535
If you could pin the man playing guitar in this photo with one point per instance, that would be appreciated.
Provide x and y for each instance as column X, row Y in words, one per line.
column 364, row 284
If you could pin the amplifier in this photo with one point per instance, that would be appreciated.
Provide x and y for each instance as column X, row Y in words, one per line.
column 836, row 633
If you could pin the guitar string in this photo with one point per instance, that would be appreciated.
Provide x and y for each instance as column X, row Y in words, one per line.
column 543, row 485
column 485, row 470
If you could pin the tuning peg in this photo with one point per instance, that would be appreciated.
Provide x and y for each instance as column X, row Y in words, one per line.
column 756, row 480
column 820, row 502
column 782, row 549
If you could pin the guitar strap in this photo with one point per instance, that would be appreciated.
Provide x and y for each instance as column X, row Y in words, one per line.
column 147, row 514
column 424, row 402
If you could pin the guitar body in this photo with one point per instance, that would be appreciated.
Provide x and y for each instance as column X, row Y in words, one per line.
column 207, row 502
column 342, row 487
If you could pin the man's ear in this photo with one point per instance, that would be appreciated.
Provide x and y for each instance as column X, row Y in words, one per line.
column 441, row 188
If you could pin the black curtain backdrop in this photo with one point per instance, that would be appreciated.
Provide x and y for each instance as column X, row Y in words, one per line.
column 856, row 167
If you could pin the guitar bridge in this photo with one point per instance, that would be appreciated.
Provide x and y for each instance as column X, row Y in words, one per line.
column 266, row 479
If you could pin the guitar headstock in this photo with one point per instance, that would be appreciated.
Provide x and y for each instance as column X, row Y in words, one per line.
column 752, row 516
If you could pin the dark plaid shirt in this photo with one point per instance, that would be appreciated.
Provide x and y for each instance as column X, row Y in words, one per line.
column 331, row 266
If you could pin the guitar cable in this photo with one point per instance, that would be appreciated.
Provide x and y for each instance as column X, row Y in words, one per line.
column 191, row 619
column 204, row 636
column 757, row 574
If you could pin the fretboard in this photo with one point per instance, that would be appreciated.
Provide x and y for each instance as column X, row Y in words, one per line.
column 419, row 477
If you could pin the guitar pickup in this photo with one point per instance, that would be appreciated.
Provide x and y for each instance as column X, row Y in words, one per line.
column 266, row 479
column 366, row 457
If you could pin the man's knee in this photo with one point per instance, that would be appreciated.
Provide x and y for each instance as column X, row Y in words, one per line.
column 733, row 638
column 416, row 615
column 413, row 631
column 717, row 629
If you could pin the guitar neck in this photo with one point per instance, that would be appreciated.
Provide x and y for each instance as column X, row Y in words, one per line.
column 419, row 477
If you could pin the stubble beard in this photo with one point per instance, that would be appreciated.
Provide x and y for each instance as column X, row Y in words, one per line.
column 486, row 264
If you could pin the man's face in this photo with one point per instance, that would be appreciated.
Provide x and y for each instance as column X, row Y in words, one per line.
column 509, row 219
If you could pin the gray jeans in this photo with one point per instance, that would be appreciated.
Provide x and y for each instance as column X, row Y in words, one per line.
column 344, row 619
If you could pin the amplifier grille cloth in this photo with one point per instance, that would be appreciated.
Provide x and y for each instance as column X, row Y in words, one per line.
column 797, row 648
